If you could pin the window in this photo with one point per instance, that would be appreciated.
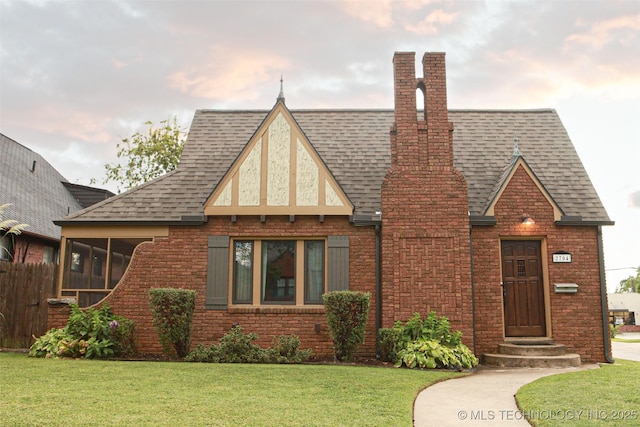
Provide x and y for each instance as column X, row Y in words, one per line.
column 314, row 271
column 49, row 255
column 6, row 248
column 274, row 272
column 278, row 272
column 243, row 272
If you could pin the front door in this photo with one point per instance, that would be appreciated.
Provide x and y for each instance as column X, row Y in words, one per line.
column 522, row 289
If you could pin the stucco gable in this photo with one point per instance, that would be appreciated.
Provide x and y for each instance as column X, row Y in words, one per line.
column 278, row 172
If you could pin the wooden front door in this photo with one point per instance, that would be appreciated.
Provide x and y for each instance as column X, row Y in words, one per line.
column 522, row 289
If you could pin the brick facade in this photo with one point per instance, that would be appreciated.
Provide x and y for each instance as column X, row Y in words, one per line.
column 180, row 261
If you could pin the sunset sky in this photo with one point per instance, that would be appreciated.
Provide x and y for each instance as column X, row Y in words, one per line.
column 78, row 76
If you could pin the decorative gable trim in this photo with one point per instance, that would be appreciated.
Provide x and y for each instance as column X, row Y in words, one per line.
column 278, row 173
column 505, row 179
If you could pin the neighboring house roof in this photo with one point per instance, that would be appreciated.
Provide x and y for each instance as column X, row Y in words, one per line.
column 35, row 190
column 355, row 146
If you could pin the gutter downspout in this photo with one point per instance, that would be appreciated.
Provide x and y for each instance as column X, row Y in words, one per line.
column 473, row 289
column 603, row 300
column 378, row 291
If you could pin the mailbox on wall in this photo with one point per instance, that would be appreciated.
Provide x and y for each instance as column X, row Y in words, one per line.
column 565, row 288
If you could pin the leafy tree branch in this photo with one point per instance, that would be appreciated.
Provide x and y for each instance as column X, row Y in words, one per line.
column 146, row 156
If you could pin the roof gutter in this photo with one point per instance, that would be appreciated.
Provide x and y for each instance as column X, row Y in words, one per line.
column 184, row 220
column 603, row 300
column 577, row 221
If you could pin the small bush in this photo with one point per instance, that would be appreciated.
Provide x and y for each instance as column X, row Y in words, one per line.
column 204, row 354
column 172, row 311
column 347, row 313
column 286, row 349
column 90, row 333
column 389, row 340
column 425, row 343
column 614, row 329
column 237, row 347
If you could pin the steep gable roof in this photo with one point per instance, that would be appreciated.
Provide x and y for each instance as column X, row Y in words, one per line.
column 518, row 161
column 355, row 146
column 34, row 188
column 278, row 172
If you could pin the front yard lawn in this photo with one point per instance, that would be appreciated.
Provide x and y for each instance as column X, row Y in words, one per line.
column 55, row 392
column 607, row 396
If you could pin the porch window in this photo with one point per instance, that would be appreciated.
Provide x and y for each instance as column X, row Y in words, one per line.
column 93, row 267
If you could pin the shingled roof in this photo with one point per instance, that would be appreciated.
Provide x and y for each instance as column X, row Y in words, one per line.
column 355, row 146
column 34, row 189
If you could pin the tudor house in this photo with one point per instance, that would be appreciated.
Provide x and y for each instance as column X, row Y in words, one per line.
column 426, row 209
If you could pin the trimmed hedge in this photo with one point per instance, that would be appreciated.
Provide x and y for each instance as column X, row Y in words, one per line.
column 347, row 313
column 172, row 311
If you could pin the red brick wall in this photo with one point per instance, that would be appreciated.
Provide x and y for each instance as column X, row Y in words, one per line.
column 425, row 226
column 576, row 319
column 180, row 261
column 30, row 250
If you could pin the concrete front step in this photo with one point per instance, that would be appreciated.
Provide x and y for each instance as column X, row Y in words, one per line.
column 531, row 350
column 514, row 361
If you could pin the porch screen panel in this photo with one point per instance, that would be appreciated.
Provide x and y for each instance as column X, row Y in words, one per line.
column 217, row 273
column 338, row 263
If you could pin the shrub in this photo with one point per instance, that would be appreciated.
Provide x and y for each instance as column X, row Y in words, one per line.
column 172, row 311
column 286, row 349
column 90, row 333
column 425, row 343
column 347, row 313
column 614, row 329
column 204, row 354
column 389, row 340
column 237, row 347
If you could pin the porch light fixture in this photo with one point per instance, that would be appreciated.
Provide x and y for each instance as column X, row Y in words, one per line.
column 527, row 220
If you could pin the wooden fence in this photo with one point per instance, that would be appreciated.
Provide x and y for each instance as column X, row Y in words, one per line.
column 24, row 289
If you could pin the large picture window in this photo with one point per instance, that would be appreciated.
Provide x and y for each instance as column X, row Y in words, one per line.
column 278, row 272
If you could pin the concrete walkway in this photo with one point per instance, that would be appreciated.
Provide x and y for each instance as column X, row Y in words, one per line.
column 486, row 398
column 481, row 399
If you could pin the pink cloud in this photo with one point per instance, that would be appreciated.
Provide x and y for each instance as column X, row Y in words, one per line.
column 619, row 30
column 230, row 74
column 431, row 24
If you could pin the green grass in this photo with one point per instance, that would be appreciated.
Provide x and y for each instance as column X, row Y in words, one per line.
column 55, row 392
column 624, row 340
column 597, row 397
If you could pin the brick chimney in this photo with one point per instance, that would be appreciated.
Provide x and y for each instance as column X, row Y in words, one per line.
column 425, row 223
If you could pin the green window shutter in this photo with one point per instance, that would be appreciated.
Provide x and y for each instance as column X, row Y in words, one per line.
column 218, row 273
column 338, row 263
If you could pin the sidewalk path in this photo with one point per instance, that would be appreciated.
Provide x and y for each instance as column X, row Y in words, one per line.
column 481, row 399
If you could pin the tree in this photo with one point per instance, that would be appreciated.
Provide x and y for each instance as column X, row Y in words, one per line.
column 9, row 227
column 630, row 284
column 148, row 156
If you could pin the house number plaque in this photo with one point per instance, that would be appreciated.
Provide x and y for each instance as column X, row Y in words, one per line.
column 562, row 257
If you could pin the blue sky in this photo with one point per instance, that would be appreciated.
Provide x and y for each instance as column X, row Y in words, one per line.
column 78, row 76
